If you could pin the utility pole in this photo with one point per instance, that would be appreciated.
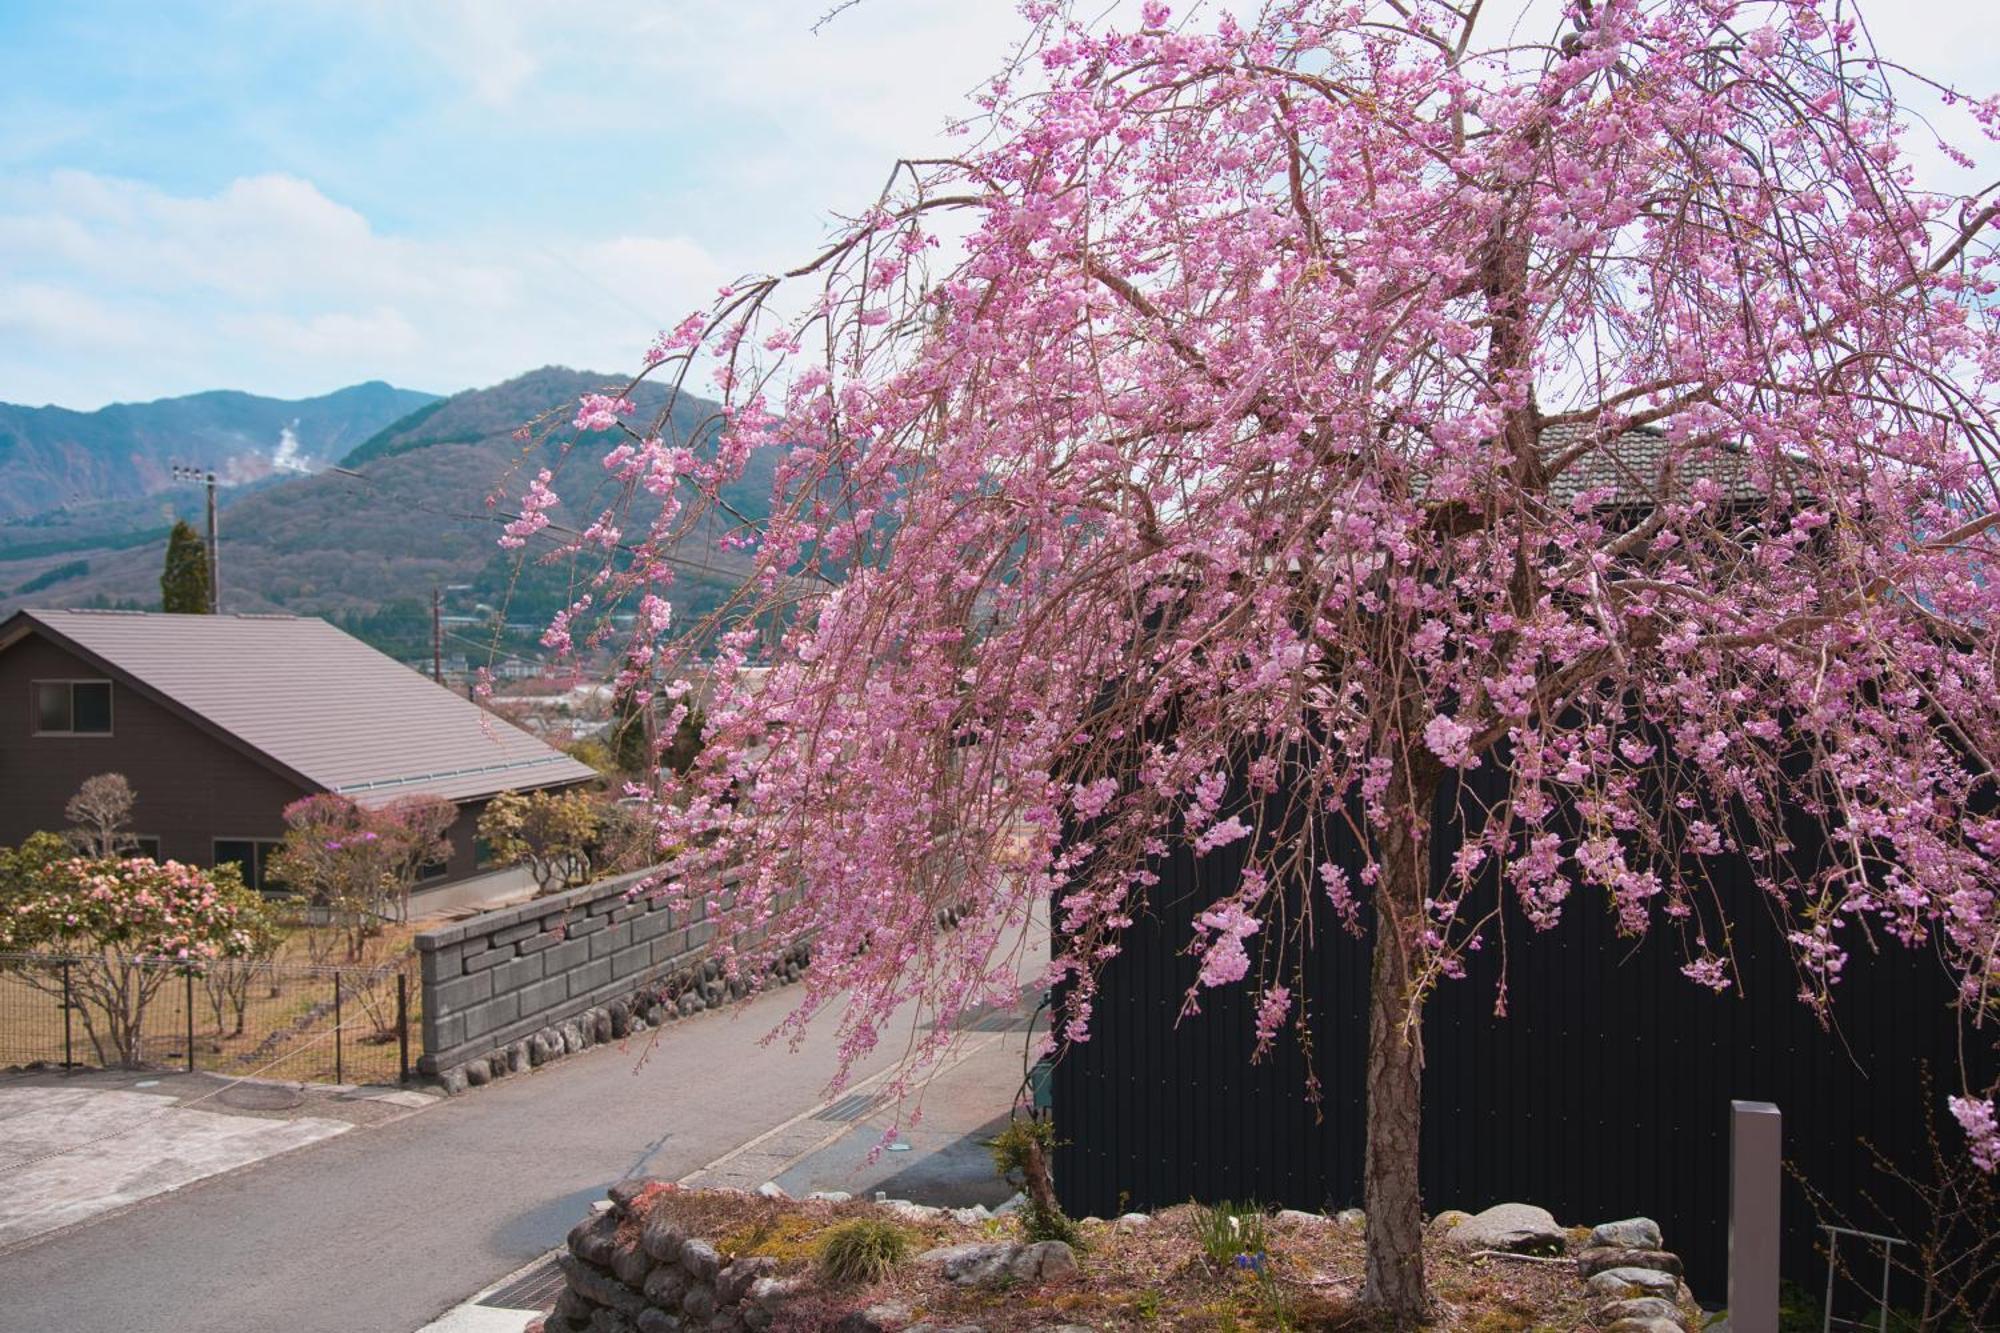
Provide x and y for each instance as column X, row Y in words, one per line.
column 207, row 477
column 437, row 634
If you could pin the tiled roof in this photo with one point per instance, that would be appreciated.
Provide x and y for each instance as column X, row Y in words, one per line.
column 315, row 701
column 1634, row 465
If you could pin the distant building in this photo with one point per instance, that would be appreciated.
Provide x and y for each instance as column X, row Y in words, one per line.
column 220, row 722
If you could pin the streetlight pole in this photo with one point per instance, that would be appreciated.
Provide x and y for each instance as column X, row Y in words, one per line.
column 207, row 477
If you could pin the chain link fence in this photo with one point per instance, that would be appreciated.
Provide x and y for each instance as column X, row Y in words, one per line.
column 239, row 1018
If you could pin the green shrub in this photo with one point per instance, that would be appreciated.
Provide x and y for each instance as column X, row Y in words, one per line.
column 1020, row 1155
column 1226, row 1230
column 864, row 1250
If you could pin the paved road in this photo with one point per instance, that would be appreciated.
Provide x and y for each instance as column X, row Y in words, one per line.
column 381, row 1230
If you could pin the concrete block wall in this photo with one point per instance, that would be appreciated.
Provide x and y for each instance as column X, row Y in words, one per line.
column 498, row 978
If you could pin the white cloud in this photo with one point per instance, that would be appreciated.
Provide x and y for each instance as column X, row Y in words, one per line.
column 271, row 284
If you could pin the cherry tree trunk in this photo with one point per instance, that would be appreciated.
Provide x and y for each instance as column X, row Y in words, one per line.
column 1391, row 1196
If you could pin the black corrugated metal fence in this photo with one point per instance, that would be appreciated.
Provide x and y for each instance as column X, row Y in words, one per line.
column 1602, row 1093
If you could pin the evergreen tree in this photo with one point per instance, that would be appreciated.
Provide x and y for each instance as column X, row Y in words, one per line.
column 631, row 741
column 184, row 581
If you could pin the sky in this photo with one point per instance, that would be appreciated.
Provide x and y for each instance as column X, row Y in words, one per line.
column 290, row 197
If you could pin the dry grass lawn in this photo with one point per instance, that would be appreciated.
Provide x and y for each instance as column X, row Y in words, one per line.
column 287, row 1029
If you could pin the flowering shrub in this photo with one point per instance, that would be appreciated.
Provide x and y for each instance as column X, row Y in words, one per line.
column 358, row 864
column 557, row 835
column 122, row 920
column 136, row 907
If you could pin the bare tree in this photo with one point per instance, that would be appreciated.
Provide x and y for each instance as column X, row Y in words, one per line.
column 98, row 815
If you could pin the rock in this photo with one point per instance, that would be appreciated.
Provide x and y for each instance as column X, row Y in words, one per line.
column 629, row 1262
column 662, row 1239
column 700, row 1260
column 591, row 1240
column 913, row 1212
column 1013, row 1205
column 973, row 1264
column 689, row 1004
column 1448, row 1219
column 972, row 1216
column 599, row 1287
column 831, row 1196
column 1300, row 1217
column 771, row 1189
column 453, row 1081
column 1634, row 1233
column 1623, row 1283
column 1043, row 1261
column 1353, row 1219
column 1593, row 1261
column 698, row 1302
column 600, row 1025
column 1639, row 1307
column 478, row 1073
column 1131, row 1221
column 1646, row 1326
column 659, row 1321
column 517, row 1058
column 1516, row 1227
column 756, row 1318
column 501, row 1063
column 656, row 1014
column 623, row 1192
column 572, row 1037
column 666, row 1285
column 612, row 1321
column 885, row 1317
column 769, row 1293
column 733, row 1282
column 571, row 1308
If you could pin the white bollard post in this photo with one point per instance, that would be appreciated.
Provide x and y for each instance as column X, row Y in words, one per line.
column 1756, row 1173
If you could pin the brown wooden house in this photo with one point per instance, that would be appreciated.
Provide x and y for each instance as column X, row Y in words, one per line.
column 219, row 722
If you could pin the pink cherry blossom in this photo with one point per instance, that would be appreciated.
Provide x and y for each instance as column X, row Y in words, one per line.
column 1316, row 406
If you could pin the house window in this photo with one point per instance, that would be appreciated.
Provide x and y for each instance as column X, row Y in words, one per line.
column 72, row 708
column 146, row 847
column 252, row 858
column 431, row 870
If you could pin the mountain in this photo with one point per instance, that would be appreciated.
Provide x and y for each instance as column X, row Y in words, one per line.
column 54, row 459
column 409, row 512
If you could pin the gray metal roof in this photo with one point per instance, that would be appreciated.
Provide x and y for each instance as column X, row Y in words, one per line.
column 318, row 702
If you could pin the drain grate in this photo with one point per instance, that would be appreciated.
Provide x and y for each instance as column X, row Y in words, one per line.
column 535, row 1289
column 849, row 1108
